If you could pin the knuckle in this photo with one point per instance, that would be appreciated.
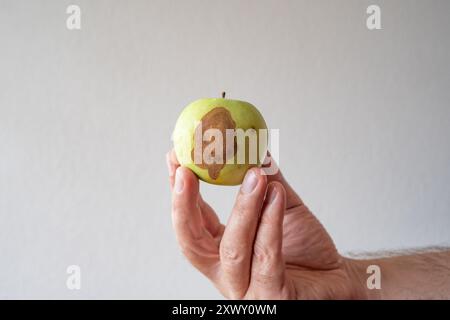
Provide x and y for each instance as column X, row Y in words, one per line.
column 232, row 255
column 261, row 254
column 267, row 262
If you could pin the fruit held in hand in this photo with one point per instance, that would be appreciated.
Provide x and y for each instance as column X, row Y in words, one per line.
column 220, row 139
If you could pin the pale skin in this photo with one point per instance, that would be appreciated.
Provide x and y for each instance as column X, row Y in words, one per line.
column 273, row 247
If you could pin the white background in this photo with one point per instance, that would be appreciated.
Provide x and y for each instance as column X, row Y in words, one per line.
column 86, row 118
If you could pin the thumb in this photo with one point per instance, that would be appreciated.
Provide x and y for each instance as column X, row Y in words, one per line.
column 197, row 245
column 186, row 214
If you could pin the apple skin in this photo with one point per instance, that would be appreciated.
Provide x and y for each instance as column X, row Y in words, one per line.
column 245, row 116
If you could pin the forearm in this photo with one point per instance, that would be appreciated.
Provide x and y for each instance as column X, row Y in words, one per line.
column 413, row 276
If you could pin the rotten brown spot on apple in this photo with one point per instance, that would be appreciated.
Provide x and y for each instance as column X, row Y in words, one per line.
column 218, row 118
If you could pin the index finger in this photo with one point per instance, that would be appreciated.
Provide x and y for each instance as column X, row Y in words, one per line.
column 237, row 241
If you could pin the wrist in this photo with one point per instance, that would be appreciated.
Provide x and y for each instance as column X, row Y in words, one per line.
column 357, row 273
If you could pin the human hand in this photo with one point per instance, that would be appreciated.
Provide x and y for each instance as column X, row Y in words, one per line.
column 271, row 248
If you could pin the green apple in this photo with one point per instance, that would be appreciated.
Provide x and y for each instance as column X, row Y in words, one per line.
column 218, row 156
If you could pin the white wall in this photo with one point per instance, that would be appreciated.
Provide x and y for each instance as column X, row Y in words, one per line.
column 86, row 118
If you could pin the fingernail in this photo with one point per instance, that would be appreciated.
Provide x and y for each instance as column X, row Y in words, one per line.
column 250, row 182
column 179, row 181
column 272, row 194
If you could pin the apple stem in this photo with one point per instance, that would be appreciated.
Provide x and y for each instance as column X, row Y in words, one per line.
column 223, row 95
